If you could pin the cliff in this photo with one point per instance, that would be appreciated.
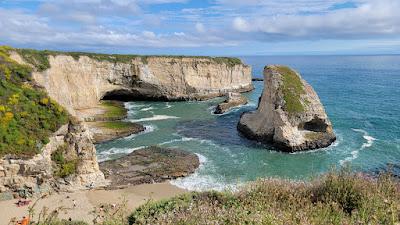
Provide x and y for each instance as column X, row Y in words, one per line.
column 68, row 162
column 79, row 80
column 289, row 115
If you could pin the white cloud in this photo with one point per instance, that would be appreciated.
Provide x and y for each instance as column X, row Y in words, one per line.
column 200, row 28
column 241, row 24
column 371, row 19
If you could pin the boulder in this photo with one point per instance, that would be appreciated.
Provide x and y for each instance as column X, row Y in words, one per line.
column 232, row 100
column 289, row 116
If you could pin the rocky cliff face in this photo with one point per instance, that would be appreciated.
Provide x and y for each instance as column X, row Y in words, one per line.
column 79, row 83
column 289, row 115
column 37, row 175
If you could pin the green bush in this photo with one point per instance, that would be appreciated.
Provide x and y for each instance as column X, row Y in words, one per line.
column 27, row 115
column 63, row 166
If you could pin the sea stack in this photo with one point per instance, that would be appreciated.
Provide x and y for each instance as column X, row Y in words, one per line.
column 290, row 115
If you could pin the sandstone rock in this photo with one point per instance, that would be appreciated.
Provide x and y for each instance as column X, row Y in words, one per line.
column 80, row 147
column 289, row 115
column 232, row 100
column 80, row 84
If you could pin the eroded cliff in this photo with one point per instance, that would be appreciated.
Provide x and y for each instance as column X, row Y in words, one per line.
column 289, row 115
column 79, row 81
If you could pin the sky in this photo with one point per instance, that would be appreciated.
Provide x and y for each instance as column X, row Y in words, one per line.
column 204, row 27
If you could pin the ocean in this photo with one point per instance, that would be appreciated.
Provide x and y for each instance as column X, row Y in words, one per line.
column 361, row 95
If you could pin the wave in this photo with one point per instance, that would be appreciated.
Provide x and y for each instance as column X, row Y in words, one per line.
column 200, row 182
column 167, row 105
column 354, row 154
column 176, row 140
column 146, row 109
column 370, row 140
column 106, row 155
column 147, row 129
column 154, row 118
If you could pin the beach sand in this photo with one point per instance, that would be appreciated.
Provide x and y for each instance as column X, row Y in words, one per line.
column 87, row 200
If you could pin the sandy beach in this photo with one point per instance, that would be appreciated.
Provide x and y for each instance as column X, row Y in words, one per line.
column 87, row 200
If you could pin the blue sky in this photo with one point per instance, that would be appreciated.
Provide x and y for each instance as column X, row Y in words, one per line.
column 204, row 27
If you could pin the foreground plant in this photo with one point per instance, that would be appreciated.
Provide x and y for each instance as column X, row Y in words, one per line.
column 336, row 198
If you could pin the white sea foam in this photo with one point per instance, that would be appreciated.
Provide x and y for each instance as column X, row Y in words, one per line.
column 106, row 155
column 167, row 105
column 147, row 129
column 176, row 140
column 200, row 182
column 154, row 118
column 354, row 154
column 146, row 109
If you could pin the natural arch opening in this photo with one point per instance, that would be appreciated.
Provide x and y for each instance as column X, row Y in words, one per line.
column 316, row 125
column 126, row 95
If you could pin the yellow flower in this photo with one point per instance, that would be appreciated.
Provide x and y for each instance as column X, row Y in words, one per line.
column 44, row 101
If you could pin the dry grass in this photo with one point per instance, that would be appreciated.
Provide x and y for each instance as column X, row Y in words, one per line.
column 337, row 198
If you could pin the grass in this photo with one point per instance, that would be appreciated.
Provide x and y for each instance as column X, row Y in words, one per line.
column 40, row 59
column 27, row 115
column 336, row 198
column 117, row 125
column 293, row 88
column 114, row 110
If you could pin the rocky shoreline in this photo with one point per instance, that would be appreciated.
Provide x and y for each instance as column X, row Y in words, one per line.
column 149, row 165
column 232, row 100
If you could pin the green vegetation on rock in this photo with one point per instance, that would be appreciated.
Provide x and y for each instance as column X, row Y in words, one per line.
column 64, row 167
column 40, row 58
column 336, row 198
column 292, row 90
column 27, row 115
column 116, row 125
column 113, row 111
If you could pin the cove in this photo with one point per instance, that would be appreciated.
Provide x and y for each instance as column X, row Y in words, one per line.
column 352, row 89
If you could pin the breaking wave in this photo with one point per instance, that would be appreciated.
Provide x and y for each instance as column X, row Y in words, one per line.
column 154, row 118
column 369, row 141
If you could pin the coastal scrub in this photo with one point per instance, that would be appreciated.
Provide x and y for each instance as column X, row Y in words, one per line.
column 40, row 58
column 27, row 115
column 292, row 90
column 336, row 198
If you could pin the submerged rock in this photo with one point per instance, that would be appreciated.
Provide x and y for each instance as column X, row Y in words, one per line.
column 149, row 165
column 289, row 116
column 232, row 100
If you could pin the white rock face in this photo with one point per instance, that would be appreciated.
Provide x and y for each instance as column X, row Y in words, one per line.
column 293, row 127
column 80, row 84
column 36, row 175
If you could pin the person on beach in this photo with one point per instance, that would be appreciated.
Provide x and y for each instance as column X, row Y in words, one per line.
column 74, row 203
column 24, row 221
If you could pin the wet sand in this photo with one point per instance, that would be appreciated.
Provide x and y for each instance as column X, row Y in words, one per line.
column 87, row 200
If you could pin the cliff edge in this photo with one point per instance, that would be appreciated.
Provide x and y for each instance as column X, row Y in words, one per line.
column 80, row 80
column 290, row 115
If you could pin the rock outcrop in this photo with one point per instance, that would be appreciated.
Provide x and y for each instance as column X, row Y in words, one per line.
column 232, row 100
column 37, row 175
column 289, row 115
column 80, row 82
column 149, row 165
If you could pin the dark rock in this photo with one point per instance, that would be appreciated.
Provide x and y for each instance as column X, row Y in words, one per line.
column 149, row 165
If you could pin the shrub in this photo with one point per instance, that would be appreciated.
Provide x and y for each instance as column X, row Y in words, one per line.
column 26, row 123
column 63, row 167
column 336, row 198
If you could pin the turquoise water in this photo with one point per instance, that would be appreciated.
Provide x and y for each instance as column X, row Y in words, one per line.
column 361, row 95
